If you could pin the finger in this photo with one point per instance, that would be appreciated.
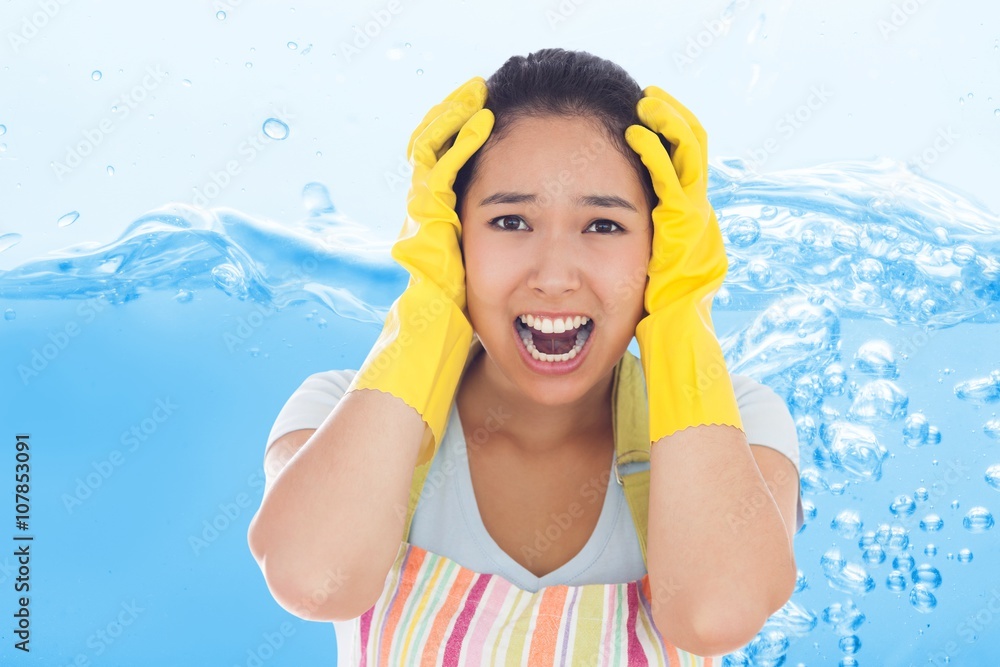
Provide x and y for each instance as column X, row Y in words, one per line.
column 696, row 127
column 470, row 139
column 436, row 138
column 661, row 171
column 458, row 106
column 673, row 209
column 659, row 116
column 441, row 106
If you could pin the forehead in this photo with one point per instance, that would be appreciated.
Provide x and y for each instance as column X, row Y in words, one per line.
column 555, row 147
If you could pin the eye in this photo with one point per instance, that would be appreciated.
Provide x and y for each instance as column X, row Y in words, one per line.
column 609, row 222
column 500, row 224
column 501, row 219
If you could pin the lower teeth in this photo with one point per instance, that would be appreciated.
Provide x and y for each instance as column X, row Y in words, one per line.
column 529, row 344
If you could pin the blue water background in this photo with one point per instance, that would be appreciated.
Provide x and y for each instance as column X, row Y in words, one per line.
column 194, row 326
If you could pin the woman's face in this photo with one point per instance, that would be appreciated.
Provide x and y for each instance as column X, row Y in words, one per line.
column 555, row 221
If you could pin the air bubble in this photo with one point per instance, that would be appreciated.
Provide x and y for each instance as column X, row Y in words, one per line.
column 96, row 75
column 68, row 219
column 743, row 231
column 870, row 270
column 879, row 400
column 926, row 574
column 316, row 199
column 221, row 15
column 275, row 129
column 903, row 562
column 963, row 254
column 850, row 644
column 877, row 358
column 993, row 476
column 903, row 506
column 759, row 272
column 874, row 555
column 931, row 523
column 844, row 618
column 922, row 599
column 847, row 524
column 834, row 380
column 978, row 520
column 980, row 390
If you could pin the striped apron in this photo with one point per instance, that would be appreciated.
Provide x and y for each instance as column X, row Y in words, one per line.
column 433, row 611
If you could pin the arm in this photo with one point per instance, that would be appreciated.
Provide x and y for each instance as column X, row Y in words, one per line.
column 722, row 541
column 782, row 479
column 330, row 524
column 319, row 560
column 717, row 578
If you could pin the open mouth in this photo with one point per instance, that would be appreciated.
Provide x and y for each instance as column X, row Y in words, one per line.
column 554, row 346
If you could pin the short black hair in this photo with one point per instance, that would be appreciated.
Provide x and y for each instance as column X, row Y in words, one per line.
column 560, row 82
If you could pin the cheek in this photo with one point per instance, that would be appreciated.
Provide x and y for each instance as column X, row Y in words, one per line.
column 623, row 281
column 488, row 273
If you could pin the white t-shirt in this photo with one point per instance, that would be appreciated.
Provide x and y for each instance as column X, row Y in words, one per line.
column 447, row 522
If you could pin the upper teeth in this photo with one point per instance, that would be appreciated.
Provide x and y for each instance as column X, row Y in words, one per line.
column 546, row 325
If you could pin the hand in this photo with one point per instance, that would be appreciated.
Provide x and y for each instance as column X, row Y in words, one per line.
column 685, row 369
column 429, row 243
column 421, row 353
column 689, row 257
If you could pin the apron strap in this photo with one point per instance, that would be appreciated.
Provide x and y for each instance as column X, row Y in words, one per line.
column 630, row 423
column 630, row 418
column 429, row 449
column 420, row 472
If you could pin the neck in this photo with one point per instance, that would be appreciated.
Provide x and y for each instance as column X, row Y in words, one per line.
column 530, row 430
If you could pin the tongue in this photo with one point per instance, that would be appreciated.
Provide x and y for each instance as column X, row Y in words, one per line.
column 554, row 343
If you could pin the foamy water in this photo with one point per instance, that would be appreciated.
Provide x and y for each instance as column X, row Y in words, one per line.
column 865, row 295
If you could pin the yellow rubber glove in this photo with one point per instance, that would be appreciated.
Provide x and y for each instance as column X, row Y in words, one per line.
column 421, row 353
column 687, row 381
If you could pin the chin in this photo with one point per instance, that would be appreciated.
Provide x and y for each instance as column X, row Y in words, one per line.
column 542, row 395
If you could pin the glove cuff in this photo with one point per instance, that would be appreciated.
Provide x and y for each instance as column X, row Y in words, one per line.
column 687, row 380
column 420, row 356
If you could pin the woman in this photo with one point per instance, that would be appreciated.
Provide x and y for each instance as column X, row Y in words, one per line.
column 556, row 211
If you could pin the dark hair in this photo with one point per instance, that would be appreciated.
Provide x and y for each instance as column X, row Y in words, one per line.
column 561, row 82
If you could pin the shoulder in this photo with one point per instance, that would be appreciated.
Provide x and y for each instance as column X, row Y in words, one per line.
column 311, row 402
column 766, row 417
column 768, row 422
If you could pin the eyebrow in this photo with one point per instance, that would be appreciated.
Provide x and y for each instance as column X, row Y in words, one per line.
column 603, row 201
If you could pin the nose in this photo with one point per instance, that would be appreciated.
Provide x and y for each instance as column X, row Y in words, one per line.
column 556, row 271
